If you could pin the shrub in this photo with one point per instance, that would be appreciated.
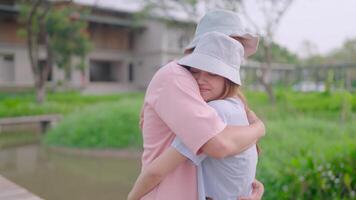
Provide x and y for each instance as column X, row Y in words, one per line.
column 310, row 178
column 104, row 125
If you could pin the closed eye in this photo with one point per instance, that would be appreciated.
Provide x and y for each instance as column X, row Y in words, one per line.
column 193, row 71
column 211, row 74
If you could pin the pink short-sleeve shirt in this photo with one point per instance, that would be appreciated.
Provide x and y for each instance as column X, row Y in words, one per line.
column 173, row 107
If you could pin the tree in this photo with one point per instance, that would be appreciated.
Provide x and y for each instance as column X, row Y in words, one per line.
column 272, row 12
column 308, row 49
column 346, row 54
column 69, row 38
column 280, row 54
column 57, row 31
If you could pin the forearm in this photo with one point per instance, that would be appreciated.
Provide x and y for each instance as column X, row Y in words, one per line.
column 144, row 184
column 238, row 139
column 234, row 139
column 155, row 172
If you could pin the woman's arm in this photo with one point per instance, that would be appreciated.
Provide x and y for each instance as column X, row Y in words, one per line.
column 155, row 172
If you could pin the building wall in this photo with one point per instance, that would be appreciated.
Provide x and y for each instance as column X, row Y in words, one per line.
column 22, row 70
column 145, row 51
column 178, row 37
column 7, row 70
column 155, row 46
column 8, row 33
column 109, row 37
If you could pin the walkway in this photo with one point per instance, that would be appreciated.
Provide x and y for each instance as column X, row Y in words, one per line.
column 11, row 191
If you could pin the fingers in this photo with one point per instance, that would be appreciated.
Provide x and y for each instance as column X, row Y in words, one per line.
column 257, row 191
column 251, row 116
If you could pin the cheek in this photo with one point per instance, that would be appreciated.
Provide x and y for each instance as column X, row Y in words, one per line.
column 219, row 85
column 195, row 76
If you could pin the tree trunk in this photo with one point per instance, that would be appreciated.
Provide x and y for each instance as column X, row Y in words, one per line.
column 44, row 70
column 40, row 73
column 266, row 74
column 68, row 74
column 83, row 81
column 40, row 93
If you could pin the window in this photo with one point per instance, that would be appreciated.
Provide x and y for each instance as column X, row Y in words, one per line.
column 9, row 58
column 131, row 72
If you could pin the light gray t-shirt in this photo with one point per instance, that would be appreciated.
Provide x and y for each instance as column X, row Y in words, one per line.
column 231, row 177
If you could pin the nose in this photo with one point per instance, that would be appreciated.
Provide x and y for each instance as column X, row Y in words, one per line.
column 201, row 77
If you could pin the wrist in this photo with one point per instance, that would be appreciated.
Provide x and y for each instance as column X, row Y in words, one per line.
column 255, row 121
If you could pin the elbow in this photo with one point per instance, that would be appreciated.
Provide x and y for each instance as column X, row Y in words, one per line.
column 153, row 175
column 222, row 151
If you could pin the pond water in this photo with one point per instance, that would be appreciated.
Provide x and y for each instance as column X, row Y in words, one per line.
column 58, row 176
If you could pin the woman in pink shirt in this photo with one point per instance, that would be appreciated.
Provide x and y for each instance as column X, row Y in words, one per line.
column 174, row 107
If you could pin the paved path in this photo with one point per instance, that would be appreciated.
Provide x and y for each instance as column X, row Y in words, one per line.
column 11, row 191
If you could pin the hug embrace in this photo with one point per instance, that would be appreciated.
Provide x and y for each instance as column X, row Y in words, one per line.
column 199, row 134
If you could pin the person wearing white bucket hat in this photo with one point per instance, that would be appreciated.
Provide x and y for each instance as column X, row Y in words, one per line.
column 173, row 107
column 228, row 23
column 214, row 64
column 218, row 54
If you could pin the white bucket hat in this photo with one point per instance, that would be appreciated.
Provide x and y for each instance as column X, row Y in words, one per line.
column 226, row 22
column 216, row 53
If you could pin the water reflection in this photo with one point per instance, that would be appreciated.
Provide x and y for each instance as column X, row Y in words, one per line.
column 56, row 176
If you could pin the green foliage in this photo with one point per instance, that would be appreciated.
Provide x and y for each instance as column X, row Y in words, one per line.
column 22, row 104
column 305, row 133
column 67, row 36
column 344, row 54
column 347, row 53
column 319, row 102
column 293, row 150
column 310, row 178
column 109, row 125
column 279, row 54
column 307, row 153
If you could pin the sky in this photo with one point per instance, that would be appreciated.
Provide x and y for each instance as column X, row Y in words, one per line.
column 325, row 23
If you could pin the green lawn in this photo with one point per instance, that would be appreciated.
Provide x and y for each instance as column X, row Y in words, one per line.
column 308, row 152
column 19, row 104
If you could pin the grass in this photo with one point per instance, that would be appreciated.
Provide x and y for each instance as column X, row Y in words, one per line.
column 21, row 104
column 104, row 125
column 110, row 121
column 304, row 130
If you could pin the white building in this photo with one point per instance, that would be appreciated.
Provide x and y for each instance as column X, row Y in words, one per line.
column 123, row 56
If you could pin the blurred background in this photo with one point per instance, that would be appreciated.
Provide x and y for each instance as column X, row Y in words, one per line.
column 73, row 76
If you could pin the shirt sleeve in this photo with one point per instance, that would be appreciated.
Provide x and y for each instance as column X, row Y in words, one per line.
column 220, row 108
column 181, row 148
column 181, row 107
